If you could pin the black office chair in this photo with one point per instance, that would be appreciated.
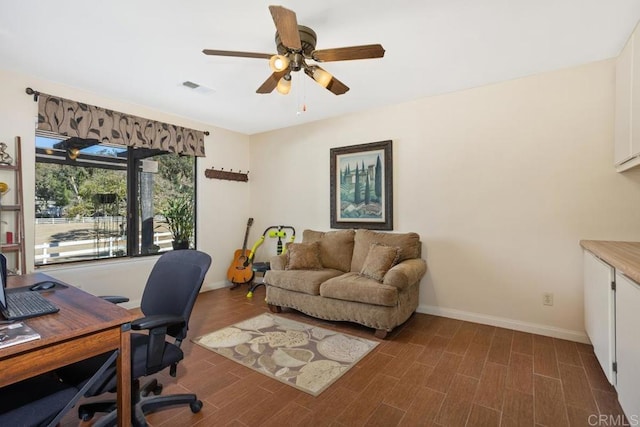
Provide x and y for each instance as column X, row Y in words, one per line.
column 34, row 402
column 167, row 302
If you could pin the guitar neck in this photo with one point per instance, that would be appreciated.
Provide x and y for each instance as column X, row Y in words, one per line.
column 244, row 243
column 246, row 235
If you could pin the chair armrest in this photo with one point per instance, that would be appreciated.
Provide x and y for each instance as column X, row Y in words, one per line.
column 157, row 326
column 115, row 299
column 405, row 273
column 156, row 321
column 278, row 262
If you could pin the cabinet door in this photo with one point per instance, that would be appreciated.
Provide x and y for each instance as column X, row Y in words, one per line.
column 624, row 71
column 599, row 311
column 628, row 344
column 635, row 93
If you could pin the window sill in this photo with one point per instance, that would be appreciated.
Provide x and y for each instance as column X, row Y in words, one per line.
column 108, row 263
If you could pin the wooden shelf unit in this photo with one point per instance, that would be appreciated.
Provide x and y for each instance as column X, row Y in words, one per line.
column 17, row 210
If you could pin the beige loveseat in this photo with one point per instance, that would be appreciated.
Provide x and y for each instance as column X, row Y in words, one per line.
column 362, row 276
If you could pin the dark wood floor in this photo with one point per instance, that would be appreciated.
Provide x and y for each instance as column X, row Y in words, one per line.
column 430, row 371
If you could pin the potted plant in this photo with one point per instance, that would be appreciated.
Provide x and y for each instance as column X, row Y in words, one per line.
column 178, row 215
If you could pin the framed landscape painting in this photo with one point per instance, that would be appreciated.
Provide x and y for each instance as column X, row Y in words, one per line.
column 362, row 186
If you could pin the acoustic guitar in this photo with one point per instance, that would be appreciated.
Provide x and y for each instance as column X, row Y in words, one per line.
column 240, row 271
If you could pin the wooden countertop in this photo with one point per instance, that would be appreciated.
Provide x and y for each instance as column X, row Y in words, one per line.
column 624, row 256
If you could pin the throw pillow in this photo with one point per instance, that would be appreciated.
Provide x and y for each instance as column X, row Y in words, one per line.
column 336, row 247
column 379, row 260
column 409, row 244
column 303, row 256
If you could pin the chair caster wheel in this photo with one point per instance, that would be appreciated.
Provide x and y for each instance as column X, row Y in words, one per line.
column 196, row 406
column 86, row 415
column 152, row 387
column 157, row 390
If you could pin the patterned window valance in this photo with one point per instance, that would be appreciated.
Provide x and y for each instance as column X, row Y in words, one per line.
column 71, row 118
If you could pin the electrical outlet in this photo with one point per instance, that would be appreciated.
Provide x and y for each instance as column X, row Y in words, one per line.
column 547, row 298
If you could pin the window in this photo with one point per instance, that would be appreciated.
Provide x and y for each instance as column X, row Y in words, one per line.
column 90, row 196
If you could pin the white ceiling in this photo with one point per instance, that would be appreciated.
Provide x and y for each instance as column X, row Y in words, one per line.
column 142, row 50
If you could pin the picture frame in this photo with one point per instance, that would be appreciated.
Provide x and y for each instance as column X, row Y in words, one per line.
column 361, row 186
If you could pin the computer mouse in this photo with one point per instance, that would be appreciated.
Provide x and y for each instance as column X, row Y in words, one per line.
column 42, row 286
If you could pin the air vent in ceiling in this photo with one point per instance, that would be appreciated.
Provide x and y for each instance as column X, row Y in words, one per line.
column 190, row 85
column 197, row 88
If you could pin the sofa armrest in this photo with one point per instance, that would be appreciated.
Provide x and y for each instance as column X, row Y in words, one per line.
column 278, row 262
column 405, row 273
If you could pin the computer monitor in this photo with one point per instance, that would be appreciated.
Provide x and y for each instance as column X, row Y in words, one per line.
column 3, row 270
column 3, row 278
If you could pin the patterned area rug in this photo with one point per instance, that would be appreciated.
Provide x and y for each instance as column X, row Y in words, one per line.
column 306, row 357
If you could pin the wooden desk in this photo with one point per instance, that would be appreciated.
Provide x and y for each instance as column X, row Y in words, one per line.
column 84, row 327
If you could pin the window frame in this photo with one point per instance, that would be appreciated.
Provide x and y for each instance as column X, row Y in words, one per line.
column 134, row 159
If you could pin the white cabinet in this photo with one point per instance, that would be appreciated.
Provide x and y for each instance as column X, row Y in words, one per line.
column 627, row 105
column 599, row 314
column 627, row 344
column 624, row 70
column 612, row 319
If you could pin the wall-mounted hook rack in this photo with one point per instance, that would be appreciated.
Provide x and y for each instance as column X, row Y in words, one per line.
column 227, row 175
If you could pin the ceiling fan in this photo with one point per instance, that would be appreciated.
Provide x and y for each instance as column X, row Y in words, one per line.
column 296, row 44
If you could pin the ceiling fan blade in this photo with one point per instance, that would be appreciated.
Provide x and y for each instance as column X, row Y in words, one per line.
column 238, row 54
column 367, row 51
column 335, row 86
column 272, row 81
column 287, row 26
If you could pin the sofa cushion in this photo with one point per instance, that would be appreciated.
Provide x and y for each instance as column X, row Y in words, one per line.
column 358, row 288
column 379, row 260
column 409, row 244
column 336, row 247
column 306, row 281
column 303, row 256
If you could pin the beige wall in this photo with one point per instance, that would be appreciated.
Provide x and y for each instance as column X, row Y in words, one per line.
column 222, row 205
column 501, row 182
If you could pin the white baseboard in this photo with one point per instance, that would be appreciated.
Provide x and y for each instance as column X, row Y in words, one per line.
column 534, row 328
column 214, row 285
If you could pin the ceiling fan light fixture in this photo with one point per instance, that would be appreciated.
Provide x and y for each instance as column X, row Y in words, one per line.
column 322, row 77
column 284, row 84
column 278, row 63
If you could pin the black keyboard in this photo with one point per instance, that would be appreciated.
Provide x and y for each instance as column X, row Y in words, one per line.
column 21, row 305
